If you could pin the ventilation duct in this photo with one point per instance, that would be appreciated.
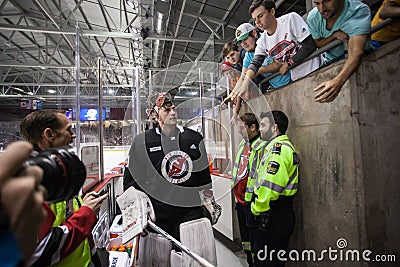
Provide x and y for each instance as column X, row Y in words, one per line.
column 162, row 8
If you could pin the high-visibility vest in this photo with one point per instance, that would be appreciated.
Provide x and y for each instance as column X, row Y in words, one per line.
column 277, row 174
column 236, row 164
column 255, row 158
column 256, row 145
column 81, row 256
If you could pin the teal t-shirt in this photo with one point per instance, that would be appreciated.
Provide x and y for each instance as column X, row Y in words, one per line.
column 276, row 82
column 355, row 19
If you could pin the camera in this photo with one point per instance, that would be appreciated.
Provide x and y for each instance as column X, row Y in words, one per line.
column 63, row 172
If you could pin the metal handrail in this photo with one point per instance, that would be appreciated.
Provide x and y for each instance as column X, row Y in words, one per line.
column 327, row 47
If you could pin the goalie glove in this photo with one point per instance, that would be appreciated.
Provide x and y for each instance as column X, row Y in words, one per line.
column 136, row 210
column 213, row 208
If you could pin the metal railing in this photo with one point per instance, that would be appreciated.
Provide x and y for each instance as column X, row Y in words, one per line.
column 327, row 47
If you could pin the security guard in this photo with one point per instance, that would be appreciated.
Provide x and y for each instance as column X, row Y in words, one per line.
column 243, row 171
column 272, row 214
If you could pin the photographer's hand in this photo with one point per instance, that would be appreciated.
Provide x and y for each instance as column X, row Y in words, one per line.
column 22, row 197
column 93, row 200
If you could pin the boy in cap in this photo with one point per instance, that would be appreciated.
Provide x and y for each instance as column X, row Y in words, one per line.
column 247, row 36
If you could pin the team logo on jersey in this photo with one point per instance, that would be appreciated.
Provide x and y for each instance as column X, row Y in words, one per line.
column 176, row 167
column 284, row 50
column 243, row 167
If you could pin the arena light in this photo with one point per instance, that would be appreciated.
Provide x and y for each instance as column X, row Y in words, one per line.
column 131, row 4
column 134, row 29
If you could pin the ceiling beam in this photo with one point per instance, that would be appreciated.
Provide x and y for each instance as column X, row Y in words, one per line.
column 34, row 48
column 64, row 84
column 123, row 35
column 60, row 97
column 210, row 19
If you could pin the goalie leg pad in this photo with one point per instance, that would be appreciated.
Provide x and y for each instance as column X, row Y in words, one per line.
column 193, row 231
column 176, row 259
column 154, row 251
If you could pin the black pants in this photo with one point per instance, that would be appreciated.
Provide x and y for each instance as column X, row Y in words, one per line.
column 244, row 230
column 274, row 235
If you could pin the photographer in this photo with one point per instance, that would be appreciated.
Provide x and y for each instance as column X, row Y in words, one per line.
column 21, row 207
column 65, row 238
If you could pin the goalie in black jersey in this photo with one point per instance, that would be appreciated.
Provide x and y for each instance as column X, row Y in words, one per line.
column 169, row 163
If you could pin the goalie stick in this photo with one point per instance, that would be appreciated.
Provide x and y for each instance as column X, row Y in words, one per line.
column 200, row 260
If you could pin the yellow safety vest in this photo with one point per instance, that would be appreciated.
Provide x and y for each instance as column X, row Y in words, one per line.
column 81, row 257
column 254, row 161
column 256, row 146
column 277, row 174
column 236, row 164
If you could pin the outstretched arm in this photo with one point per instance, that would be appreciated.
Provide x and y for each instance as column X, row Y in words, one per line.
column 320, row 42
column 271, row 68
column 241, row 87
column 329, row 90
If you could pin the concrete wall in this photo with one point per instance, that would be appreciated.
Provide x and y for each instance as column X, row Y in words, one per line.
column 379, row 122
column 350, row 158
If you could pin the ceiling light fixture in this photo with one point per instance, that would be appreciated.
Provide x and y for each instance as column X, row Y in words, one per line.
column 131, row 4
column 192, row 93
column 134, row 29
column 51, row 91
column 20, row 90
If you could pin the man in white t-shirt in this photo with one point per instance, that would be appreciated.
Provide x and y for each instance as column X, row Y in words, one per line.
column 285, row 39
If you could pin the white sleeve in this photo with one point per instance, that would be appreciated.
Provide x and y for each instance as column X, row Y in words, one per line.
column 298, row 27
column 261, row 48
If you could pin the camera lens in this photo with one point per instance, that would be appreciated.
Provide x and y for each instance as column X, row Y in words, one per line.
column 63, row 172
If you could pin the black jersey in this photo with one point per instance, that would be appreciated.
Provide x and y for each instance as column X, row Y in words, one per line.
column 171, row 170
